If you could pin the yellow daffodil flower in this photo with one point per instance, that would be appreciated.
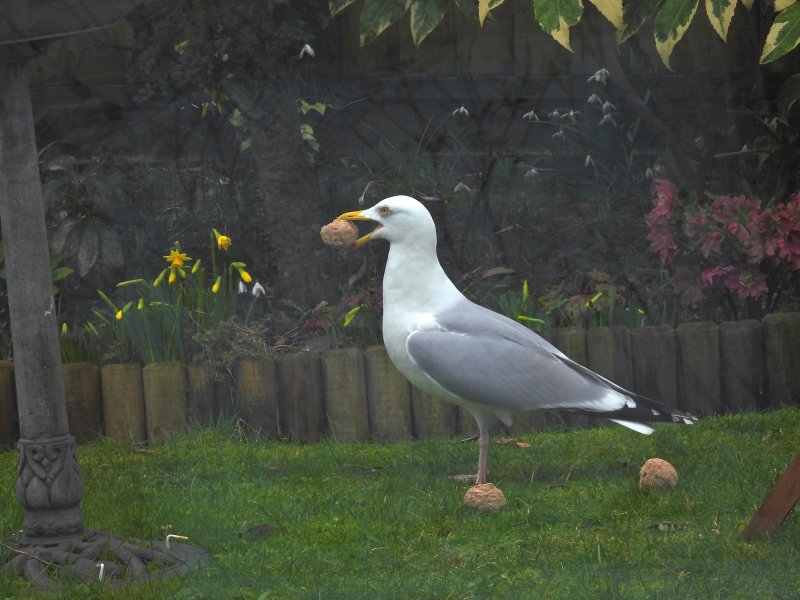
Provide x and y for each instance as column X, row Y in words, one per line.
column 119, row 315
column 246, row 277
column 217, row 283
column 196, row 266
column 177, row 260
column 223, row 241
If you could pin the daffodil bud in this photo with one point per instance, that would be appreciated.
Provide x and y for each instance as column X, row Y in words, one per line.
column 217, row 283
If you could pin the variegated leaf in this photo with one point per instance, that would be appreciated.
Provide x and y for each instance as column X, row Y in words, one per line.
column 784, row 35
column 485, row 7
column 377, row 15
column 611, row 10
column 720, row 13
column 337, row 6
column 748, row 4
column 634, row 14
column 782, row 4
column 671, row 23
column 557, row 16
column 425, row 17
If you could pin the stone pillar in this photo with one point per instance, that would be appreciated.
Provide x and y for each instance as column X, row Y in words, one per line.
column 49, row 486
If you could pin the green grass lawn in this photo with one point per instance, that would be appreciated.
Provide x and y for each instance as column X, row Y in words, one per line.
column 384, row 521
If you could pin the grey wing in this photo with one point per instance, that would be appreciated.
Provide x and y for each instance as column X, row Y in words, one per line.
column 496, row 371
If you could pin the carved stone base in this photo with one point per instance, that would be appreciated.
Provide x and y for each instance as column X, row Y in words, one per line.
column 50, row 488
column 98, row 557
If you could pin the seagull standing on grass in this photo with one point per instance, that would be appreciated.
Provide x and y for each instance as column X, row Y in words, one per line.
column 465, row 354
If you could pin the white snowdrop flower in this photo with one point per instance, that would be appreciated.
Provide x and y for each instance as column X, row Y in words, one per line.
column 531, row 116
column 559, row 135
column 607, row 118
column 595, row 99
column 745, row 148
column 554, row 115
column 242, row 288
column 589, row 162
column 531, row 173
column 773, row 124
column 649, row 173
column 307, row 49
column 608, row 107
column 258, row 290
column 600, row 76
column 461, row 187
column 460, row 111
column 571, row 115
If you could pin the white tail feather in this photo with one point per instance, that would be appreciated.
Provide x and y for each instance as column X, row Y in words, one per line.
column 638, row 427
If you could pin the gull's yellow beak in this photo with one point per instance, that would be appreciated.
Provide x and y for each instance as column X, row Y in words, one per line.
column 356, row 215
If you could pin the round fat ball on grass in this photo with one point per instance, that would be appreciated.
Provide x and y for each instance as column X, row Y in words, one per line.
column 657, row 474
column 339, row 234
column 485, row 497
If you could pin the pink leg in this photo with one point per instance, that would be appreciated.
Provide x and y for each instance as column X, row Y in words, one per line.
column 483, row 453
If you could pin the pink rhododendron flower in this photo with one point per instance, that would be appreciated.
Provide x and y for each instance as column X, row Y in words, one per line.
column 708, row 276
column 661, row 241
column 747, row 281
column 711, row 244
column 666, row 192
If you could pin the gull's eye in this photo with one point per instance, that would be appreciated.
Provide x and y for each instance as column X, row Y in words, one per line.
column 384, row 211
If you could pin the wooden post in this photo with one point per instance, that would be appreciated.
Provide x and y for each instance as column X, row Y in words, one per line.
column 432, row 417
column 777, row 504
column 8, row 417
column 608, row 350
column 301, row 404
column 655, row 363
column 388, row 397
column 572, row 342
column 699, row 368
column 345, row 387
column 256, row 394
column 123, row 402
column 200, row 393
column 742, row 366
column 84, row 400
column 164, row 386
column 782, row 358
column 529, row 421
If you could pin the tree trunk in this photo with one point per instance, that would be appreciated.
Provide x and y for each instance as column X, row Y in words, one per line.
column 302, row 267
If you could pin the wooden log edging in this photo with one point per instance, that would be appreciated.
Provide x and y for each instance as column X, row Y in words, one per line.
column 353, row 395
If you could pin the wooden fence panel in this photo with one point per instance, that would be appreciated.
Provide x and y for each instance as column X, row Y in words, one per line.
column 699, row 367
column 200, row 390
column 8, row 405
column 123, row 402
column 345, row 388
column 9, row 431
column 782, row 358
column 256, row 385
column 301, row 405
column 742, row 366
column 388, row 397
column 84, row 400
column 164, row 399
column 608, row 351
column 655, row 363
column 432, row 417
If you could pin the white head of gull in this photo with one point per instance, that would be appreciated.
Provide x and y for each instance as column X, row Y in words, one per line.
column 463, row 353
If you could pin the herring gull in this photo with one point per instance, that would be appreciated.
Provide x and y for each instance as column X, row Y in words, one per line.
column 465, row 354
